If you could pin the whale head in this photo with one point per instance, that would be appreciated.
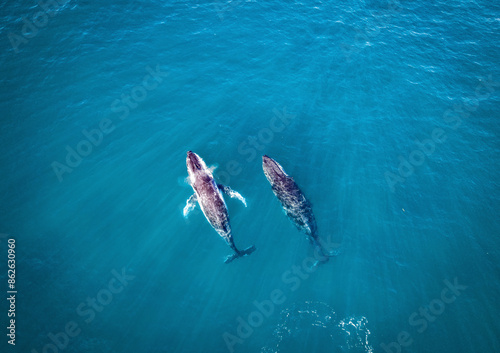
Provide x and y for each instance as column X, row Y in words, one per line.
column 272, row 169
column 195, row 165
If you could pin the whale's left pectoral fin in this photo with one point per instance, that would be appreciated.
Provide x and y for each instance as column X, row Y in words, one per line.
column 190, row 205
column 231, row 193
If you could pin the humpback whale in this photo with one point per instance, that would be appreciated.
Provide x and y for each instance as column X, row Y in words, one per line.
column 294, row 203
column 208, row 194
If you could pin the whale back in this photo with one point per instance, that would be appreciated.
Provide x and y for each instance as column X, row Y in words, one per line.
column 208, row 195
column 294, row 202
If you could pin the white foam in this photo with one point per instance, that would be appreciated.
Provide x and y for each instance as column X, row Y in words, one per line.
column 303, row 319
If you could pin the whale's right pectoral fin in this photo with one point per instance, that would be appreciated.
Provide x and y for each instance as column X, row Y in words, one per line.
column 231, row 193
column 190, row 205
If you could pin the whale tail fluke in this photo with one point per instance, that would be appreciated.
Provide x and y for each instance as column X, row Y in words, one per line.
column 237, row 254
column 328, row 253
column 317, row 263
column 327, row 250
column 332, row 253
column 324, row 255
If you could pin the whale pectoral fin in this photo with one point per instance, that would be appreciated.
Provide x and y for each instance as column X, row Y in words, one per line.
column 190, row 204
column 231, row 193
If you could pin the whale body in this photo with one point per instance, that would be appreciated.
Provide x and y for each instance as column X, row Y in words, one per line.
column 294, row 203
column 208, row 194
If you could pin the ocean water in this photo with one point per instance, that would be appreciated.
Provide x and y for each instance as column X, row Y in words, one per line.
column 385, row 113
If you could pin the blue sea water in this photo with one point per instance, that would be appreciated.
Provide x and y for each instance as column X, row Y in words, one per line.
column 385, row 113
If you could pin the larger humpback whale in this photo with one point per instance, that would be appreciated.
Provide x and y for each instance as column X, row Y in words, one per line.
column 294, row 203
column 208, row 195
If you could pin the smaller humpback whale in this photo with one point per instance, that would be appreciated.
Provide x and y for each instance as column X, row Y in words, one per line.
column 294, row 203
column 208, row 195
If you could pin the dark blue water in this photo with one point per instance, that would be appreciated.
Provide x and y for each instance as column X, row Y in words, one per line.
column 385, row 113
